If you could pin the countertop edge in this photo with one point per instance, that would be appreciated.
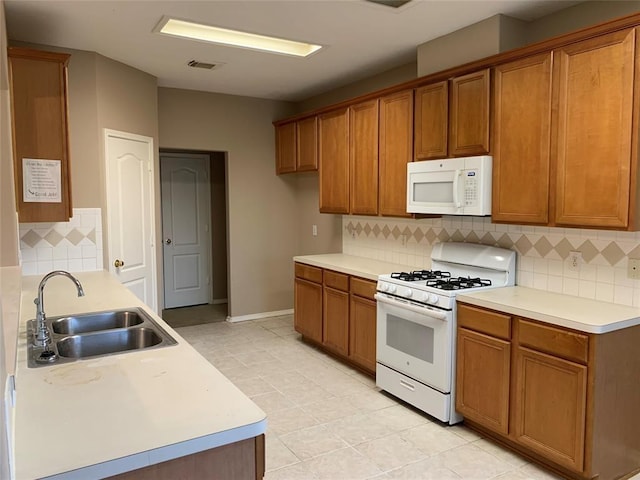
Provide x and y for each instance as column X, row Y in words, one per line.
column 603, row 328
column 163, row 454
column 352, row 264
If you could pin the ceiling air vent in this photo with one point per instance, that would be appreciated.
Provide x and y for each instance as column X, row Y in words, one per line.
column 204, row 65
column 390, row 3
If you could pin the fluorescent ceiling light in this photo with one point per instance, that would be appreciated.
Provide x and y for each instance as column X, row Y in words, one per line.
column 234, row 38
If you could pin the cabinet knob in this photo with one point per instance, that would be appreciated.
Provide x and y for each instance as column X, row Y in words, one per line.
column 118, row 263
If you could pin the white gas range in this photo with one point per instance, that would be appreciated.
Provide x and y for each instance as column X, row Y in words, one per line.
column 416, row 322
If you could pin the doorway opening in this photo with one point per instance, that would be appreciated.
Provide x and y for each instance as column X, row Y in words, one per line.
column 194, row 235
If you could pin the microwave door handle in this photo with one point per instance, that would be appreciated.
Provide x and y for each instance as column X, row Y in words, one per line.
column 456, row 181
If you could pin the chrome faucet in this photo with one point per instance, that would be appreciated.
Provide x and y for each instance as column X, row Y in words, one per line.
column 43, row 336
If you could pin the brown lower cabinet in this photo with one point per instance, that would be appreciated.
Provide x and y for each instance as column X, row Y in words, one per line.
column 307, row 318
column 566, row 399
column 337, row 312
column 243, row 460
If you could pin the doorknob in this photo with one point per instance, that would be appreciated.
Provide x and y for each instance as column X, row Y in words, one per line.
column 118, row 263
column 168, row 241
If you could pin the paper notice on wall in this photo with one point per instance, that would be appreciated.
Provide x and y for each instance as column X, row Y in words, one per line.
column 41, row 180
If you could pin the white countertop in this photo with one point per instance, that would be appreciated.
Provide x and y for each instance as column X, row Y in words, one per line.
column 583, row 314
column 352, row 265
column 100, row 417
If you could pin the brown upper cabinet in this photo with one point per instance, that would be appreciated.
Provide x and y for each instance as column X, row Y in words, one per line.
column 594, row 146
column 564, row 142
column 395, row 152
column 297, row 146
column 521, row 135
column 363, row 158
column 469, row 114
column 559, row 117
column 333, row 156
column 431, row 121
column 369, row 176
column 452, row 117
column 38, row 83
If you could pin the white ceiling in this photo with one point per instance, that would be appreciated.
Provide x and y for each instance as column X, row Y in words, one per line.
column 361, row 38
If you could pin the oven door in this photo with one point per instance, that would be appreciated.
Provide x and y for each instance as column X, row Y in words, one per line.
column 415, row 340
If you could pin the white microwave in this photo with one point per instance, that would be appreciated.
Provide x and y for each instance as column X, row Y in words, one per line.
column 453, row 186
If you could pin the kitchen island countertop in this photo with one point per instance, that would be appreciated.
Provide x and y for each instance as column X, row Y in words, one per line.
column 583, row 314
column 103, row 416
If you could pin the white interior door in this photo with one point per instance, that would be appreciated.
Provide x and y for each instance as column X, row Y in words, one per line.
column 186, row 218
column 129, row 175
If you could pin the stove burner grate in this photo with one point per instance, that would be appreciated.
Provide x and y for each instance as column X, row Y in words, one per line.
column 418, row 275
column 458, row 283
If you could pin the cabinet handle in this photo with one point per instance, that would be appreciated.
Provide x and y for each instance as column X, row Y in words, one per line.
column 118, row 263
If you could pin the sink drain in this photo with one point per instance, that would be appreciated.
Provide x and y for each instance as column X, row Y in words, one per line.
column 48, row 356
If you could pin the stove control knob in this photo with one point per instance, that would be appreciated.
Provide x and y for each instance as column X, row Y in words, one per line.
column 409, row 293
column 433, row 299
column 392, row 288
column 383, row 286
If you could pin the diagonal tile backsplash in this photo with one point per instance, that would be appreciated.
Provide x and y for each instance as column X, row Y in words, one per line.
column 75, row 245
column 543, row 252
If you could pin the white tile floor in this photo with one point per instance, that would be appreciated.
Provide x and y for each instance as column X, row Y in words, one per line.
column 328, row 421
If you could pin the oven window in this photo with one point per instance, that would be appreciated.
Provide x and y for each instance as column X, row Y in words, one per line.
column 411, row 338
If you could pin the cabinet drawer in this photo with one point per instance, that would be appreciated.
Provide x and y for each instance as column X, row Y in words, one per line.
column 484, row 321
column 336, row 280
column 363, row 288
column 556, row 341
column 313, row 274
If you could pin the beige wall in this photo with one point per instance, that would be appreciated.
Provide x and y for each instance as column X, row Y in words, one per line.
column 262, row 207
column 329, row 238
column 389, row 78
column 219, row 225
column 483, row 39
column 582, row 15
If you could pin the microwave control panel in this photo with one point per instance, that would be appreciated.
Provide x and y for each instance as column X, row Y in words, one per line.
column 470, row 188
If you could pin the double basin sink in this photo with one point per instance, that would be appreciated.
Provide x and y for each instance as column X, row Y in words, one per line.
column 88, row 335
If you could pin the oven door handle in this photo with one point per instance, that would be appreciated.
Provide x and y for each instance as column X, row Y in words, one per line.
column 421, row 310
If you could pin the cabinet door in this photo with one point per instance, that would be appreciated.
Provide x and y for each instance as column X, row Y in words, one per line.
column 362, row 332
column 396, row 144
column 333, row 156
column 363, row 135
column 550, row 407
column 431, row 121
column 286, row 148
column 521, row 133
column 307, row 317
column 38, row 82
column 482, row 379
column 335, row 328
column 593, row 113
column 469, row 114
column 307, row 144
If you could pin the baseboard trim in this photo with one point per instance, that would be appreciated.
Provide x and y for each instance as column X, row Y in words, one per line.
column 218, row 300
column 255, row 316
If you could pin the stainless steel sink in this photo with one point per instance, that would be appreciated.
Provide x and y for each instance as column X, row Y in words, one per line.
column 104, row 343
column 92, row 322
column 89, row 335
